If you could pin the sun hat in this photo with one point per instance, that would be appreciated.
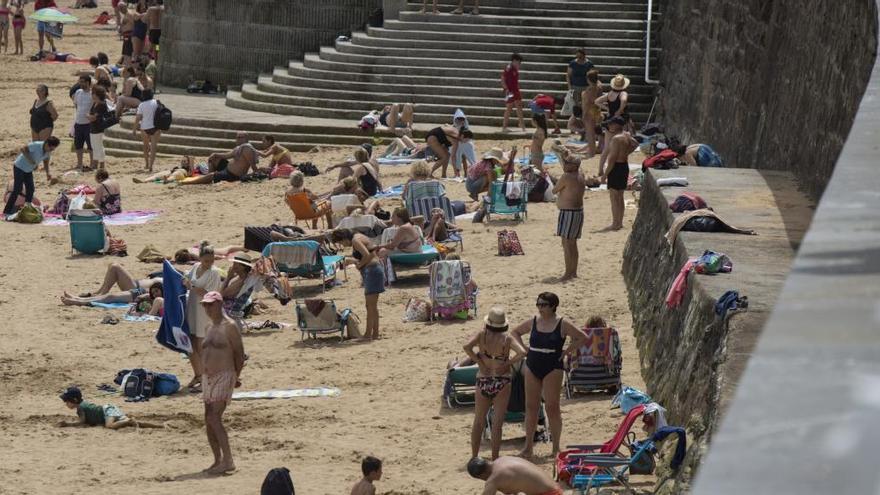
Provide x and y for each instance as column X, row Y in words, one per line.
column 243, row 259
column 496, row 318
column 496, row 154
column 619, row 82
column 211, row 297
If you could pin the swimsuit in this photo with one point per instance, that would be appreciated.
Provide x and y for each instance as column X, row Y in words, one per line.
column 155, row 34
column 369, row 184
column 491, row 386
column 110, row 203
column 40, row 117
column 438, row 133
column 18, row 21
column 570, row 223
column 4, row 17
column 127, row 47
column 218, row 387
column 140, row 30
column 278, row 155
column 618, row 176
column 545, row 350
column 614, row 106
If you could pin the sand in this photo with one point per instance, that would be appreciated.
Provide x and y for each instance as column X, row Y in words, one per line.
column 391, row 390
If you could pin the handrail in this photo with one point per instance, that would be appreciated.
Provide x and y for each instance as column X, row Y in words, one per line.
column 648, row 46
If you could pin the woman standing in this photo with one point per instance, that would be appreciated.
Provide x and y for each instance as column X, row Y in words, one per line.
column 144, row 121
column 366, row 261
column 96, row 131
column 203, row 278
column 591, row 113
column 493, row 345
column 440, row 140
column 544, row 364
column 23, row 170
column 536, row 150
column 43, row 116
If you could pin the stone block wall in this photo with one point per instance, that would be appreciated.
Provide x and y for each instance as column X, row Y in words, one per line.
column 769, row 84
column 228, row 41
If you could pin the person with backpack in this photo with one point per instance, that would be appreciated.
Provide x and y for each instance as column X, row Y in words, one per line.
column 145, row 121
column 90, row 414
column 23, row 170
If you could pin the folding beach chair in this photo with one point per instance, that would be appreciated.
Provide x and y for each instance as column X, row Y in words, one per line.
column 303, row 259
column 416, row 190
column 87, row 233
column 302, row 209
column 609, row 469
column 498, row 201
column 423, row 207
column 516, row 409
column 459, row 388
column 449, row 290
column 597, row 364
column 319, row 317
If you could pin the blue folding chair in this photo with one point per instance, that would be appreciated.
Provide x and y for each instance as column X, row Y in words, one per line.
column 609, row 469
column 498, row 201
column 87, row 234
column 303, row 259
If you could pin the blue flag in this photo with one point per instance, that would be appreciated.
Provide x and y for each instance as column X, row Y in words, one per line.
column 173, row 331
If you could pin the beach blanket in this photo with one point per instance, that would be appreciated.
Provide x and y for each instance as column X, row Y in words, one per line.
column 110, row 305
column 682, row 219
column 288, row 394
column 131, row 217
column 391, row 192
column 81, row 62
column 397, row 160
column 141, row 318
column 672, row 181
column 173, row 330
column 549, row 159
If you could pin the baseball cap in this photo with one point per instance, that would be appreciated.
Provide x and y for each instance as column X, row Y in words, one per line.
column 212, row 296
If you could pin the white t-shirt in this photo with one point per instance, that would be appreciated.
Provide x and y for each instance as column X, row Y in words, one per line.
column 148, row 111
column 83, row 102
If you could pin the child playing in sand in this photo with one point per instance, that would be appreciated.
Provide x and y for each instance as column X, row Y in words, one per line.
column 372, row 469
column 89, row 414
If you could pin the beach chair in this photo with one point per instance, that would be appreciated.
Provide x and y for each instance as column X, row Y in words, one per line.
column 449, row 291
column 368, row 225
column 423, row 207
column 460, row 386
column 302, row 209
column 609, row 469
column 318, row 317
column 87, row 233
column 498, row 201
column 567, row 465
column 597, row 364
column 427, row 255
column 303, row 259
column 516, row 409
column 416, row 190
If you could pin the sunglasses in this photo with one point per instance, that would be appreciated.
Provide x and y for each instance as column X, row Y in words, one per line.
column 542, row 304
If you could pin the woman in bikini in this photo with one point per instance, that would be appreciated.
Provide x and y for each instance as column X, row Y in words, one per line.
column 118, row 276
column 536, row 149
column 131, row 92
column 544, row 365
column 4, row 25
column 440, row 140
column 490, row 350
column 590, row 111
column 176, row 174
column 18, row 23
column 280, row 155
column 108, row 194
column 147, row 301
column 405, row 240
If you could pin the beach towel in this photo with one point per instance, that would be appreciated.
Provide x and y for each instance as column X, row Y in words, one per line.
column 687, row 202
column 397, row 160
column 672, row 181
column 680, row 221
column 679, row 285
column 447, row 288
column 418, row 189
column 141, row 318
column 598, row 349
column 549, row 159
column 81, row 189
column 288, row 393
column 391, row 192
column 132, row 217
column 173, row 330
column 367, row 225
column 110, row 305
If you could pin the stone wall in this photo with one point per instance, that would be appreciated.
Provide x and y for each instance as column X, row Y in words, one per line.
column 770, row 84
column 228, row 41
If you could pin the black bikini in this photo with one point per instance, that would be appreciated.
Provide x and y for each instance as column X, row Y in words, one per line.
column 545, row 350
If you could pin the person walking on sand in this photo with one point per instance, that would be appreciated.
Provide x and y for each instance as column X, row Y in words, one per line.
column 145, row 122
column 82, row 126
column 512, row 475
column 576, row 74
column 569, row 191
column 512, row 95
column 616, row 174
column 222, row 361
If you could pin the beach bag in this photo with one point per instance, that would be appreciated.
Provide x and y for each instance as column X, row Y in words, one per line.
column 107, row 120
column 165, row 384
column 61, row 205
column 29, row 214
column 567, row 104
column 417, row 310
column 687, row 202
column 281, row 171
column 536, row 193
column 277, row 482
column 352, row 323
column 703, row 224
column 644, row 463
column 116, row 246
column 730, row 301
column 137, row 383
column 711, row 263
column 77, row 203
column 308, row 169
column 162, row 119
column 508, row 243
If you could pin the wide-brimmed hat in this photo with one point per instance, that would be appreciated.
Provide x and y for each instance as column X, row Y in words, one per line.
column 619, row 82
column 496, row 318
column 496, row 154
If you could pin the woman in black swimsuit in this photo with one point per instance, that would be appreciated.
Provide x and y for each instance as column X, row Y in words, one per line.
column 440, row 140
column 544, row 364
column 493, row 345
column 43, row 115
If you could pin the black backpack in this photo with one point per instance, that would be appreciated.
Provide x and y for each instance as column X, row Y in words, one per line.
column 163, row 117
column 278, row 482
column 308, row 169
column 137, row 383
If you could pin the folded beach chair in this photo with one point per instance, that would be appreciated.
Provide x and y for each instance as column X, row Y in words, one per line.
column 303, row 259
column 423, row 207
column 597, row 364
column 449, row 291
column 423, row 258
column 416, row 190
column 459, row 388
column 609, row 469
column 499, row 203
column 516, row 409
column 302, row 209
column 87, row 234
column 567, row 465
column 319, row 317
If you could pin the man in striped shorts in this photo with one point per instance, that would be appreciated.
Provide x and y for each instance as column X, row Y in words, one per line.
column 569, row 192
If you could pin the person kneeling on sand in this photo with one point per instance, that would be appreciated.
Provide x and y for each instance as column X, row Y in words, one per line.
column 512, row 475
column 89, row 414
column 372, row 469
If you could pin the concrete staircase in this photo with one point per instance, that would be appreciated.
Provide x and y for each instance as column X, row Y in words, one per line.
column 437, row 62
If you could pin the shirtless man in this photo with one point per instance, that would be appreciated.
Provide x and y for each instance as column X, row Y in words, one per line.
column 153, row 17
column 222, row 360
column 126, row 26
column 616, row 174
column 512, row 475
column 569, row 190
column 231, row 166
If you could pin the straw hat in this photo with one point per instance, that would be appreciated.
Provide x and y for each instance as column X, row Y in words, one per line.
column 619, row 82
column 496, row 318
column 496, row 154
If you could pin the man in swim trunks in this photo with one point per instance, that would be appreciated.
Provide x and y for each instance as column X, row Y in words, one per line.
column 616, row 173
column 512, row 475
column 231, row 166
column 222, row 361
column 153, row 16
column 569, row 190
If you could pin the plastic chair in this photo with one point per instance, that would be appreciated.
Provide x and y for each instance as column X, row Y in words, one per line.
column 87, row 234
column 302, row 209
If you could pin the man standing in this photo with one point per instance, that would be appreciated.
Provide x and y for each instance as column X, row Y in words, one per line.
column 570, row 201
column 153, row 16
column 616, row 173
column 512, row 95
column 512, row 475
column 576, row 75
column 43, row 27
column 82, row 126
column 23, row 171
column 222, row 360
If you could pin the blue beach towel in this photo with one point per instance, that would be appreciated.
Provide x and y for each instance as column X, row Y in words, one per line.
column 549, row 159
column 110, row 305
column 390, row 192
column 173, row 330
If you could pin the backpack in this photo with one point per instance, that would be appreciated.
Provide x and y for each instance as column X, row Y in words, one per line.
column 165, row 384
column 703, row 224
column 508, row 243
column 687, row 202
column 644, row 463
column 62, row 204
column 730, row 301
column 162, row 119
column 711, row 263
column 308, row 169
column 107, row 120
column 29, row 214
column 277, row 482
column 137, row 383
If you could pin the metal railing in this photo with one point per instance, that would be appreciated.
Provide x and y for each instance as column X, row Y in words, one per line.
column 648, row 46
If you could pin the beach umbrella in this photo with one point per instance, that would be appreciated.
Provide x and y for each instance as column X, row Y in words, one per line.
column 52, row 15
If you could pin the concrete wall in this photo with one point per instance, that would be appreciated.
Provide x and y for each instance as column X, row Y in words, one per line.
column 770, row 84
column 228, row 41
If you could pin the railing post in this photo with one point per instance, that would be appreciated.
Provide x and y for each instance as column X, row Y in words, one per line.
column 648, row 46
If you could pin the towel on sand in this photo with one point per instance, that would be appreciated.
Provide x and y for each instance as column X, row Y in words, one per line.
column 288, row 394
column 131, row 217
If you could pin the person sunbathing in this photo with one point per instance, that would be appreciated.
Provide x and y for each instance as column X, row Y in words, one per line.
column 363, row 169
column 397, row 119
column 280, row 155
column 117, row 276
column 404, row 146
column 176, row 174
column 297, row 187
column 405, row 240
column 420, row 171
column 141, row 297
column 191, row 255
column 64, row 57
column 439, row 228
column 231, row 166
column 89, row 414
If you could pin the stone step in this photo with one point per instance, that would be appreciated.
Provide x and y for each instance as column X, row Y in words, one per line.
column 563, row 57
column 585, row 39
column 527, row 73
column 195, row 146
column 541, row 65
column 591, row 13
column 555, row 25
column 295, row 86
column 377, row 37
column 547, row 4
column 466, row 31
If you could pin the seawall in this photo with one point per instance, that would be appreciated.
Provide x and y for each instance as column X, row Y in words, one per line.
column 690, row 360
column 228, row 42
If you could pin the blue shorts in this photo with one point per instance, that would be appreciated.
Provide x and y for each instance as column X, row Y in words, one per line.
column 374, row 279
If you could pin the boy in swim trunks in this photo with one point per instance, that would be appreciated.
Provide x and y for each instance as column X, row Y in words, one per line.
column 569, row 192
column 372, row 469
column 512, row 475
column 616, row 173
column 89, row 414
